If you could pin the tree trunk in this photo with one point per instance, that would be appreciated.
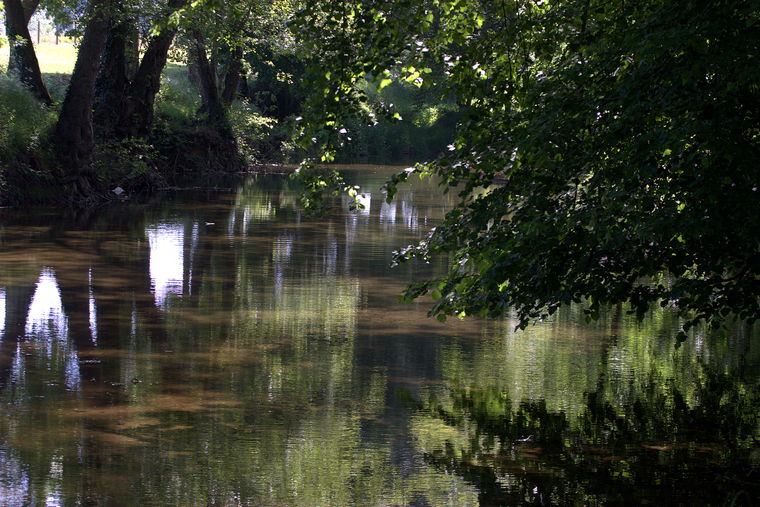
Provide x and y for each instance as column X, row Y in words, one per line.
column 223, row 151
column 244, row 89
column 128, row 105
column 73, row 137
column 112, row 80
column 23, row 60
column 232, row 76
column 133, row 51
column 137, row 116
column 192, row 73
column 212, row 108
column 30, row 7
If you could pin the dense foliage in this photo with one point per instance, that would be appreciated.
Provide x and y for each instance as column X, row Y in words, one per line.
column 608, row 154
column 103, row 133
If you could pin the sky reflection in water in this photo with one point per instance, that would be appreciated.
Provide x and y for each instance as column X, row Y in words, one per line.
column 167, row 258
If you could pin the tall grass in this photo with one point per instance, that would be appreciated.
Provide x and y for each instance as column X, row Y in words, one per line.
column 23, row 121
column 22, row 118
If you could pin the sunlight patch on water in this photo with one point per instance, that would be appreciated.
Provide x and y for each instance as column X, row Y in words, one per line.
column 166, row 260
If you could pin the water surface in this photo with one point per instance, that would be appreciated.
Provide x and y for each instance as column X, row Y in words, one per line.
column 223, row 348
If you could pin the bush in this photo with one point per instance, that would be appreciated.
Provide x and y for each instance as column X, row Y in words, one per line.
column 253, row 132
column 127, row 163
column 22, row 118
column 177, row 133
column 23, row 121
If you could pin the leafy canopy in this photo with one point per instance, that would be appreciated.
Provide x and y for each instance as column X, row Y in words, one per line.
column 609, row 152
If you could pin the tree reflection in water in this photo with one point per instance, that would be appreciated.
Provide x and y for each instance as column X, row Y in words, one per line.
column 658, row 449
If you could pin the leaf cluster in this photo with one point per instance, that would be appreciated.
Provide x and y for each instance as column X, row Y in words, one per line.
column 608, row 153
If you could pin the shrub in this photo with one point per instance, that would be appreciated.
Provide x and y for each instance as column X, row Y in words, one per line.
column 127, row 163
column 253, row 132
column 23, row 121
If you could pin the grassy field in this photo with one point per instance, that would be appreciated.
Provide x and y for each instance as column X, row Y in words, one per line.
column 54, row 59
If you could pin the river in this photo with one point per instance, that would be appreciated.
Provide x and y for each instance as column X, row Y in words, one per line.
column 220, row 347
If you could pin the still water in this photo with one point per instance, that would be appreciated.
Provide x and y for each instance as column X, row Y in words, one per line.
column 222, row 348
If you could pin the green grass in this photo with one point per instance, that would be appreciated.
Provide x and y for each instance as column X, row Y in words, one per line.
column 178, row 99
column 54, row 59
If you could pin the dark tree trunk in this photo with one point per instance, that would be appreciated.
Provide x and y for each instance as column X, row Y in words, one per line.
column 133, row 51
column 73, row 137
column 212, row 109
column 231, row 83
column 192, row 73
column 30, row 7
column 137, row 116
column 223, row 150
column 244, row 89
column 112, row 80
column 23, row 60
column 129, row 86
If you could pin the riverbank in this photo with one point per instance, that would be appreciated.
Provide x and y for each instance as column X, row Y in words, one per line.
column 178, row 150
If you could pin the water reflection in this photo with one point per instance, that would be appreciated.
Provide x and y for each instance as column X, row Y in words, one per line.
column 388, row 213
column 47, row 329
column 654, row 448
column 248, row 355
column 14, row 480
column 166, row 260
column 364, row 203
column 93, row 310
column 45, row 317
column 2, row 313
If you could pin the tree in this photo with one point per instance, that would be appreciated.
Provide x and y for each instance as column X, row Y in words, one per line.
column 125, row 100
column 218, row 38
column 608, row 153
column 23, row 59
column 73, row 138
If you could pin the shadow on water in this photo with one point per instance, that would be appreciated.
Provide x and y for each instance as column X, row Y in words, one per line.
column 657, row 450
column 222, row 348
